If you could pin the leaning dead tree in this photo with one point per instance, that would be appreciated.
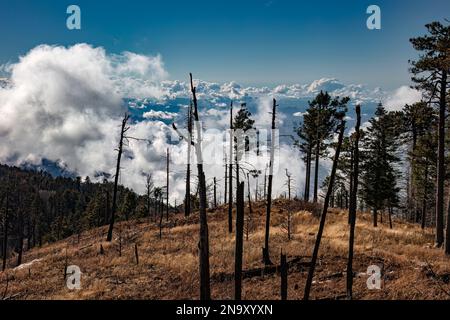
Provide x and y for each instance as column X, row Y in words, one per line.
column 230, row 174
column 205, row 291
column 266, row 255
column 123, row 131
column 324, row 212
column 239, row 242
column 353, row 204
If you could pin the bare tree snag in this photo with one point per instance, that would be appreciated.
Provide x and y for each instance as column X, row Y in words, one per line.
column 136, row 253
column 283, row 276
column 249, row 197
column 353, row 204
column 226, row 179
column 123, row 130
column 239, row 242
column 266, row 254
column 288, row 182
column 205, row 291
column 230, row 174
column 167, row 184
column 5, row 230
column 215, row 193
column 160, row 201
column 187, row 197
column 324, row 212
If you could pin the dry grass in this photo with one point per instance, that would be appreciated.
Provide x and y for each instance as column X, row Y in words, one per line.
column 168, row 268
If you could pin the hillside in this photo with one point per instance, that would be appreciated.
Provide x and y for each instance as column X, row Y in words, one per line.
column 168, row 268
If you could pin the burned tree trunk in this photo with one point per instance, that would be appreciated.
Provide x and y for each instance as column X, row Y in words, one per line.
column 167, row 184
column 205, row 291
column 288, row 182
column 187, row 197
column 123, row 130
column 20, row 239
column 5, row 232
column 324, row 213
column 249, row 195
column 160, row 201
column 239, row 242
column 353, row 204
column 266, row 254
column 390, row 217
column 215, row 193
column 308, row 174
column 283, row 276
column 230, row 175
column 136, row 253
column 226, row 180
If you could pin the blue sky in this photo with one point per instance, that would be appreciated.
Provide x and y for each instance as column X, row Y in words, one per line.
column 252, row 42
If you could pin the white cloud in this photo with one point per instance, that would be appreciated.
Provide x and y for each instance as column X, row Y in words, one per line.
column 402, row 96
column 65, row 105
column 164, row 115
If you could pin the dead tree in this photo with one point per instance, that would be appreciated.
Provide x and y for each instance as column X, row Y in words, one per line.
column 136, row 253
column 266, row 254
column 5, row 231
column 20, row 239
column 239, row 242
column 215, row 193
column 249, row 197
column 149, row 189
column 283, row 276
column 288, row 183
column 226, row 178
column 160, row 201
column 167, row 184
column 353, row 204
column 123, row 130
column 230, row 174
column 205, row 291
column 187, row 197
column 324, row 212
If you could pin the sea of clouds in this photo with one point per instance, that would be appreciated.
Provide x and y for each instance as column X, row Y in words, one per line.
column 65, row 105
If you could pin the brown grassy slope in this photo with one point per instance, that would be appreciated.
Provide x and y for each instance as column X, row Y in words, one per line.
column 168, row 268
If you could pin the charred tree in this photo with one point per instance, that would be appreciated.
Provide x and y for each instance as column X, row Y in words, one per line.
column 324, row 212
column 215, row 193
column 353, row 203
column 266, row 254
column 123, row 130
column 167, row 184
column 187, row 197
column 205, row 291
column 239, row 242
column 230, row 174
column 5, row 232
column 283, row 276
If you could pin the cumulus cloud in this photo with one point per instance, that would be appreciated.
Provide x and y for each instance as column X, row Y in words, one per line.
column 402, row 96
column 163, row 115
column 64, row 104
